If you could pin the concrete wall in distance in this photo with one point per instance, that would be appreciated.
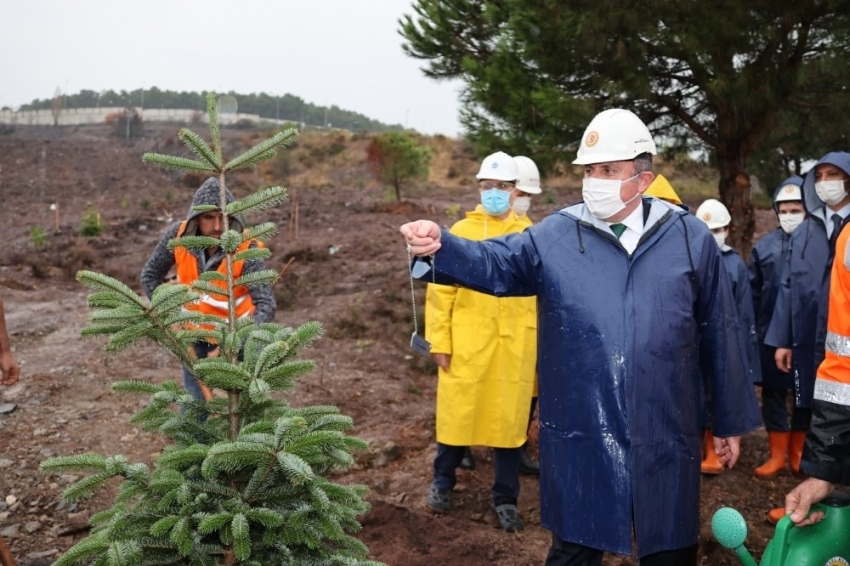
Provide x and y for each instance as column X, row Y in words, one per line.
column 78, row 116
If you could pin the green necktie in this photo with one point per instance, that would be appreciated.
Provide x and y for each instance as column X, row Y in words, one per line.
column 618, row 229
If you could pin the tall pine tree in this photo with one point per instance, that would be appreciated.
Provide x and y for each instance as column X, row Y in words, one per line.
column 245, row 478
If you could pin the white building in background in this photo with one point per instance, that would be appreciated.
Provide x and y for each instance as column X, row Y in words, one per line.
column 80, row 116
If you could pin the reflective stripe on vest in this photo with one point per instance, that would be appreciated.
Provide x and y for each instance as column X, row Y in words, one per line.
column 837, row 356
column 837, row 344
column 832, row 392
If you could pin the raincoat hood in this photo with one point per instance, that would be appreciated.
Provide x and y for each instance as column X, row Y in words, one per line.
column 208, row 194
column 793, row 180
column 661, row 188
column 811, row 201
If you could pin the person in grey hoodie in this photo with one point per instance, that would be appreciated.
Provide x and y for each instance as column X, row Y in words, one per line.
column 256, row 301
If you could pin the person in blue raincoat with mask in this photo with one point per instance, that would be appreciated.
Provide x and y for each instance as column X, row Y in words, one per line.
column 767, row 260
column 635, row 309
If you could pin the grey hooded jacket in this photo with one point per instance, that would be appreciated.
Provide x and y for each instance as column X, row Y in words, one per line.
column 162, row 259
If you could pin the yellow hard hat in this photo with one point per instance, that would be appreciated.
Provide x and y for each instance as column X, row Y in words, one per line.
column 661, row 188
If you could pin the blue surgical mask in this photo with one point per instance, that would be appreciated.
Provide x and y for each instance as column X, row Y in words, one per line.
column 495, row 202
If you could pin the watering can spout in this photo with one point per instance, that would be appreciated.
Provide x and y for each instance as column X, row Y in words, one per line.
column 730, row 530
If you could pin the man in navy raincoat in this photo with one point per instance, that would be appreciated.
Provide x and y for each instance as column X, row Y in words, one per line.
column 767, row 261
column 634, row 310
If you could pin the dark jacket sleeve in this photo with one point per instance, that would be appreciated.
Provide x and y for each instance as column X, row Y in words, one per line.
column 724, row 366
column 827, row 451
column 160, row 261
column 747, row 320
column 503, row 266
column 262, row 296
column 779, row 332
column 756, row 279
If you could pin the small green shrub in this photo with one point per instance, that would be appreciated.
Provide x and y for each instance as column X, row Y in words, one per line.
column 91, row 224
column 38, row 238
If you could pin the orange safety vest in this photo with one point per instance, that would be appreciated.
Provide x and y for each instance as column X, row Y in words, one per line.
column 187, row 273
column 833, row 378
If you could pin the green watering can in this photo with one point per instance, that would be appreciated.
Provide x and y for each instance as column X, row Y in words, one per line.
column 826, row 543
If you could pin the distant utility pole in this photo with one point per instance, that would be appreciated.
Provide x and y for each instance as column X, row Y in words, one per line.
column 277, row 108
column 326, row 117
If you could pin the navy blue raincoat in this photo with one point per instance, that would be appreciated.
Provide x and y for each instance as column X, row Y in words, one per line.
column 739, row 278
column 623, row 344
column 799, row 318
column 767, row 261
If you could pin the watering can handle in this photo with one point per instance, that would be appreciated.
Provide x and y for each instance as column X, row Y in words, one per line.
column 783, row 532
column 781, row 539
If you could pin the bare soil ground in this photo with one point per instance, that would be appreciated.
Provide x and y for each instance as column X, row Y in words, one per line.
column 349, row 273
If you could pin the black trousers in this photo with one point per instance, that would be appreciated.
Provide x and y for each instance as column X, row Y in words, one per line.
column 563, row 553
column 774, row 412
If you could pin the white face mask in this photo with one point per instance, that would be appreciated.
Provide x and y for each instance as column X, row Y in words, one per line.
column 721, row 238
column 602, row 196
column 521, row 205
column 831, row 192
column 788, row 222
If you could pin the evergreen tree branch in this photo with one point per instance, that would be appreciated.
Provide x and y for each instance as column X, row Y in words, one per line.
column 230, row 240
column 193, row 242
column 136, row 386
column 241, row 536
column 253, row 253
column 262, row 200
column 212, row 276
column 264, row 277
column 205, row 208
column 217, row 292
column 261, row 232
column 77, row 462
column 86, row 487
column 265, row 149
column 101, row 282
column 199, row 147
column 173, row 162
column 215, row 133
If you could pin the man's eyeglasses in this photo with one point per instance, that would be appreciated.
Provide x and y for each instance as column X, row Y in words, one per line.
column 502, row 186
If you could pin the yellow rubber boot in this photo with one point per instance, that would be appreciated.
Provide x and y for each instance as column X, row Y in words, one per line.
column 778, row 443
column 711, row 463
column 795, row 449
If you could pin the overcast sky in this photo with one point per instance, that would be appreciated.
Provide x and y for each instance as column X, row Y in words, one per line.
column 343, row 52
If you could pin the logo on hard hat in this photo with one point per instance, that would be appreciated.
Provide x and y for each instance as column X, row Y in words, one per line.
column 837, row 561
column 495, row 165
column 790, row 188
column 592, row 139
column 706, row 216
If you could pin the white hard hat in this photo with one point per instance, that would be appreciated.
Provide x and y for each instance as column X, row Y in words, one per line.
column 789, row 192
column 499, row 166
column 528, row 176
column 714, row 213
column 614, row 135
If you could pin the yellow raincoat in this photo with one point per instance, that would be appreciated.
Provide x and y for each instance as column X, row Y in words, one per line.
column 484, row 398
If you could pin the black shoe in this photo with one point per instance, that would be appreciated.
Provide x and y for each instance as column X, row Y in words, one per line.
column 509, row 518
column 528, row 466
column 468, row 462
